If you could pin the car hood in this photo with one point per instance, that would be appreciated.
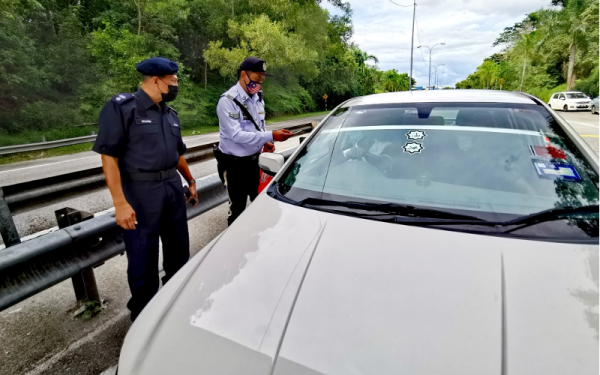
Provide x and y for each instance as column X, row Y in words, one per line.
column 289, row 290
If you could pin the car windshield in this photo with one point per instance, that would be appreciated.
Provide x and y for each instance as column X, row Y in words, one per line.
column 576, row 95
column 490, row 161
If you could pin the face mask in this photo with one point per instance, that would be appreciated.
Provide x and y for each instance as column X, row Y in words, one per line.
column 171, row 94
column 253, row 87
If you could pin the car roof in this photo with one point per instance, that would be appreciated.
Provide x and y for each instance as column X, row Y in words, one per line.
column 443, row 96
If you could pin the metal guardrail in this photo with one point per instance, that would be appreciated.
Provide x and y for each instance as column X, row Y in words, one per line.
column 28, row 192
column 46, row 145
column 35, row 265
column 6, row 150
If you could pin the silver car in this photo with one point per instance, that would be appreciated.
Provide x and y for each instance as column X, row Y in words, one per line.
column 436, row 232
column 595, row 105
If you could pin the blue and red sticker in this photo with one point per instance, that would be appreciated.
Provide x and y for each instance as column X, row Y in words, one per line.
column 551, row 170
column 552, row 166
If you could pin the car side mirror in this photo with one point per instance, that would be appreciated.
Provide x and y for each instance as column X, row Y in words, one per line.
column 271, row 163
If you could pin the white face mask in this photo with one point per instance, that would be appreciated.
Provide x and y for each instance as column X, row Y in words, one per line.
column 465, row 142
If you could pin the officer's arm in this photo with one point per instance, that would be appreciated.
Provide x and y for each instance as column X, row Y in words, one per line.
column 110, row 143
column 230, row 127
column 123, row 211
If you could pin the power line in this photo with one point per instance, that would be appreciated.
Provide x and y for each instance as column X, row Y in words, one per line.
column 419, row 38
column 400, row 5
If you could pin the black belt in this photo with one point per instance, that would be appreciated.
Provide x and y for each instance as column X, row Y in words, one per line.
column 241, row 158
column 152, row 176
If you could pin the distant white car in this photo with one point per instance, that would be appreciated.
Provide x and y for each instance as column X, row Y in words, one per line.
column 595, row 105
column 570, row 101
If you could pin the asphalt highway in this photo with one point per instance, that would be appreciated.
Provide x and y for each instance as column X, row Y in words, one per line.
column 586, row 124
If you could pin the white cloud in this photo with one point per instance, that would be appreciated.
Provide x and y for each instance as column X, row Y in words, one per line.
column 468, row 27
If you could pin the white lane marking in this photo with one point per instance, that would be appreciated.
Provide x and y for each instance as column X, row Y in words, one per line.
column 45, row 165
column 581, row 123
column 90, row 337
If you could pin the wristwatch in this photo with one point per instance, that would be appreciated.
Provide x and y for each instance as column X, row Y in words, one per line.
column 192, row 181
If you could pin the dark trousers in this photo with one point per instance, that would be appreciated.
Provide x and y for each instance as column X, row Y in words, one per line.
column 160, row 212
column 241, row 178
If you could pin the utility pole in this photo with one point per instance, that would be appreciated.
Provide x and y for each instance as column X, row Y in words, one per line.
column 431, row 49
column 412, row 40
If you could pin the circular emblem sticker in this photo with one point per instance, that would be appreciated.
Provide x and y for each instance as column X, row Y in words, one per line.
column 265, row 67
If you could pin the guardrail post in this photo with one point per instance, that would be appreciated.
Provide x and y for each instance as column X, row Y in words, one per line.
column 9, row 232
column 84, row 283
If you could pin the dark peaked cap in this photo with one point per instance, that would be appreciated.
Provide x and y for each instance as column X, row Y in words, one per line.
column 254, row 64
column 157, row 66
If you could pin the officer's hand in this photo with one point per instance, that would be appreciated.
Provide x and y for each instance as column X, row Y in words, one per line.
column 282, row 135
column 269, row 147
column 193, row 195
column 125, row 216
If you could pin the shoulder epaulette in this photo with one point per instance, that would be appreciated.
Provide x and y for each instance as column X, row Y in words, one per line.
column 228, row 96
column 122, row 98
column 172, row 109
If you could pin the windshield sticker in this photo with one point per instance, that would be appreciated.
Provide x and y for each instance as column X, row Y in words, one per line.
column 549, row 170
column 413, row 147
column 547, row 152
column 416, row 134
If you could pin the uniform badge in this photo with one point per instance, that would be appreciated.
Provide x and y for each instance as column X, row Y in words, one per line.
column 234, row 115
column 265, row 67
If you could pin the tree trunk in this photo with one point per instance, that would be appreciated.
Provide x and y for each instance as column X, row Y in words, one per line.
column 205, row 68
column 523, row 76
column 570, row 76
column 137, row 3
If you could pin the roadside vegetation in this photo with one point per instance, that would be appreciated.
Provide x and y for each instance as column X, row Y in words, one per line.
column 60, row 61
column 552, row 49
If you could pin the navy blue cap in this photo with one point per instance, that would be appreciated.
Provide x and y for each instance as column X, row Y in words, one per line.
column 157, row 66
column 254, row 64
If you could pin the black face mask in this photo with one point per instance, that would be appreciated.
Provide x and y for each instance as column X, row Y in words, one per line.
column 171, row 94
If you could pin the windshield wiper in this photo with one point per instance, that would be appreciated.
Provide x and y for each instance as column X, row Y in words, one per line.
column 391, row 209
column 549, row 215
column 455, row 219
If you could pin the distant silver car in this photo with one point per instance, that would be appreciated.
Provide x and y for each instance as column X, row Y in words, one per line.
column 433, row 232
column 595, row 105
column 570, row 101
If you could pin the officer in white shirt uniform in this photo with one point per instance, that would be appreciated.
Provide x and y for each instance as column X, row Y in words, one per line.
column 241, row 112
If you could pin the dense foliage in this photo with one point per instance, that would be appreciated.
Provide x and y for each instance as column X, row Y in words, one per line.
column 61, row 60
column 550, row 49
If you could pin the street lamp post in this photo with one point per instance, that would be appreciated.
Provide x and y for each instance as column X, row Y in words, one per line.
column 431, row 49
column 435, row 74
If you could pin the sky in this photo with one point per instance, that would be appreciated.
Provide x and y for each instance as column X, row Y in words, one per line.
column 468, row 27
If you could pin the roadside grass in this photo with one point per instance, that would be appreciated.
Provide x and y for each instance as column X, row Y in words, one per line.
column 35, row 136
column 545, row 95
column 64, row 133
column 33, row 155
column 199, row 130
column 295, row 117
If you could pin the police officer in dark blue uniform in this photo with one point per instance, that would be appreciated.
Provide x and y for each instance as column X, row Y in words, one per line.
column 142, row 151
